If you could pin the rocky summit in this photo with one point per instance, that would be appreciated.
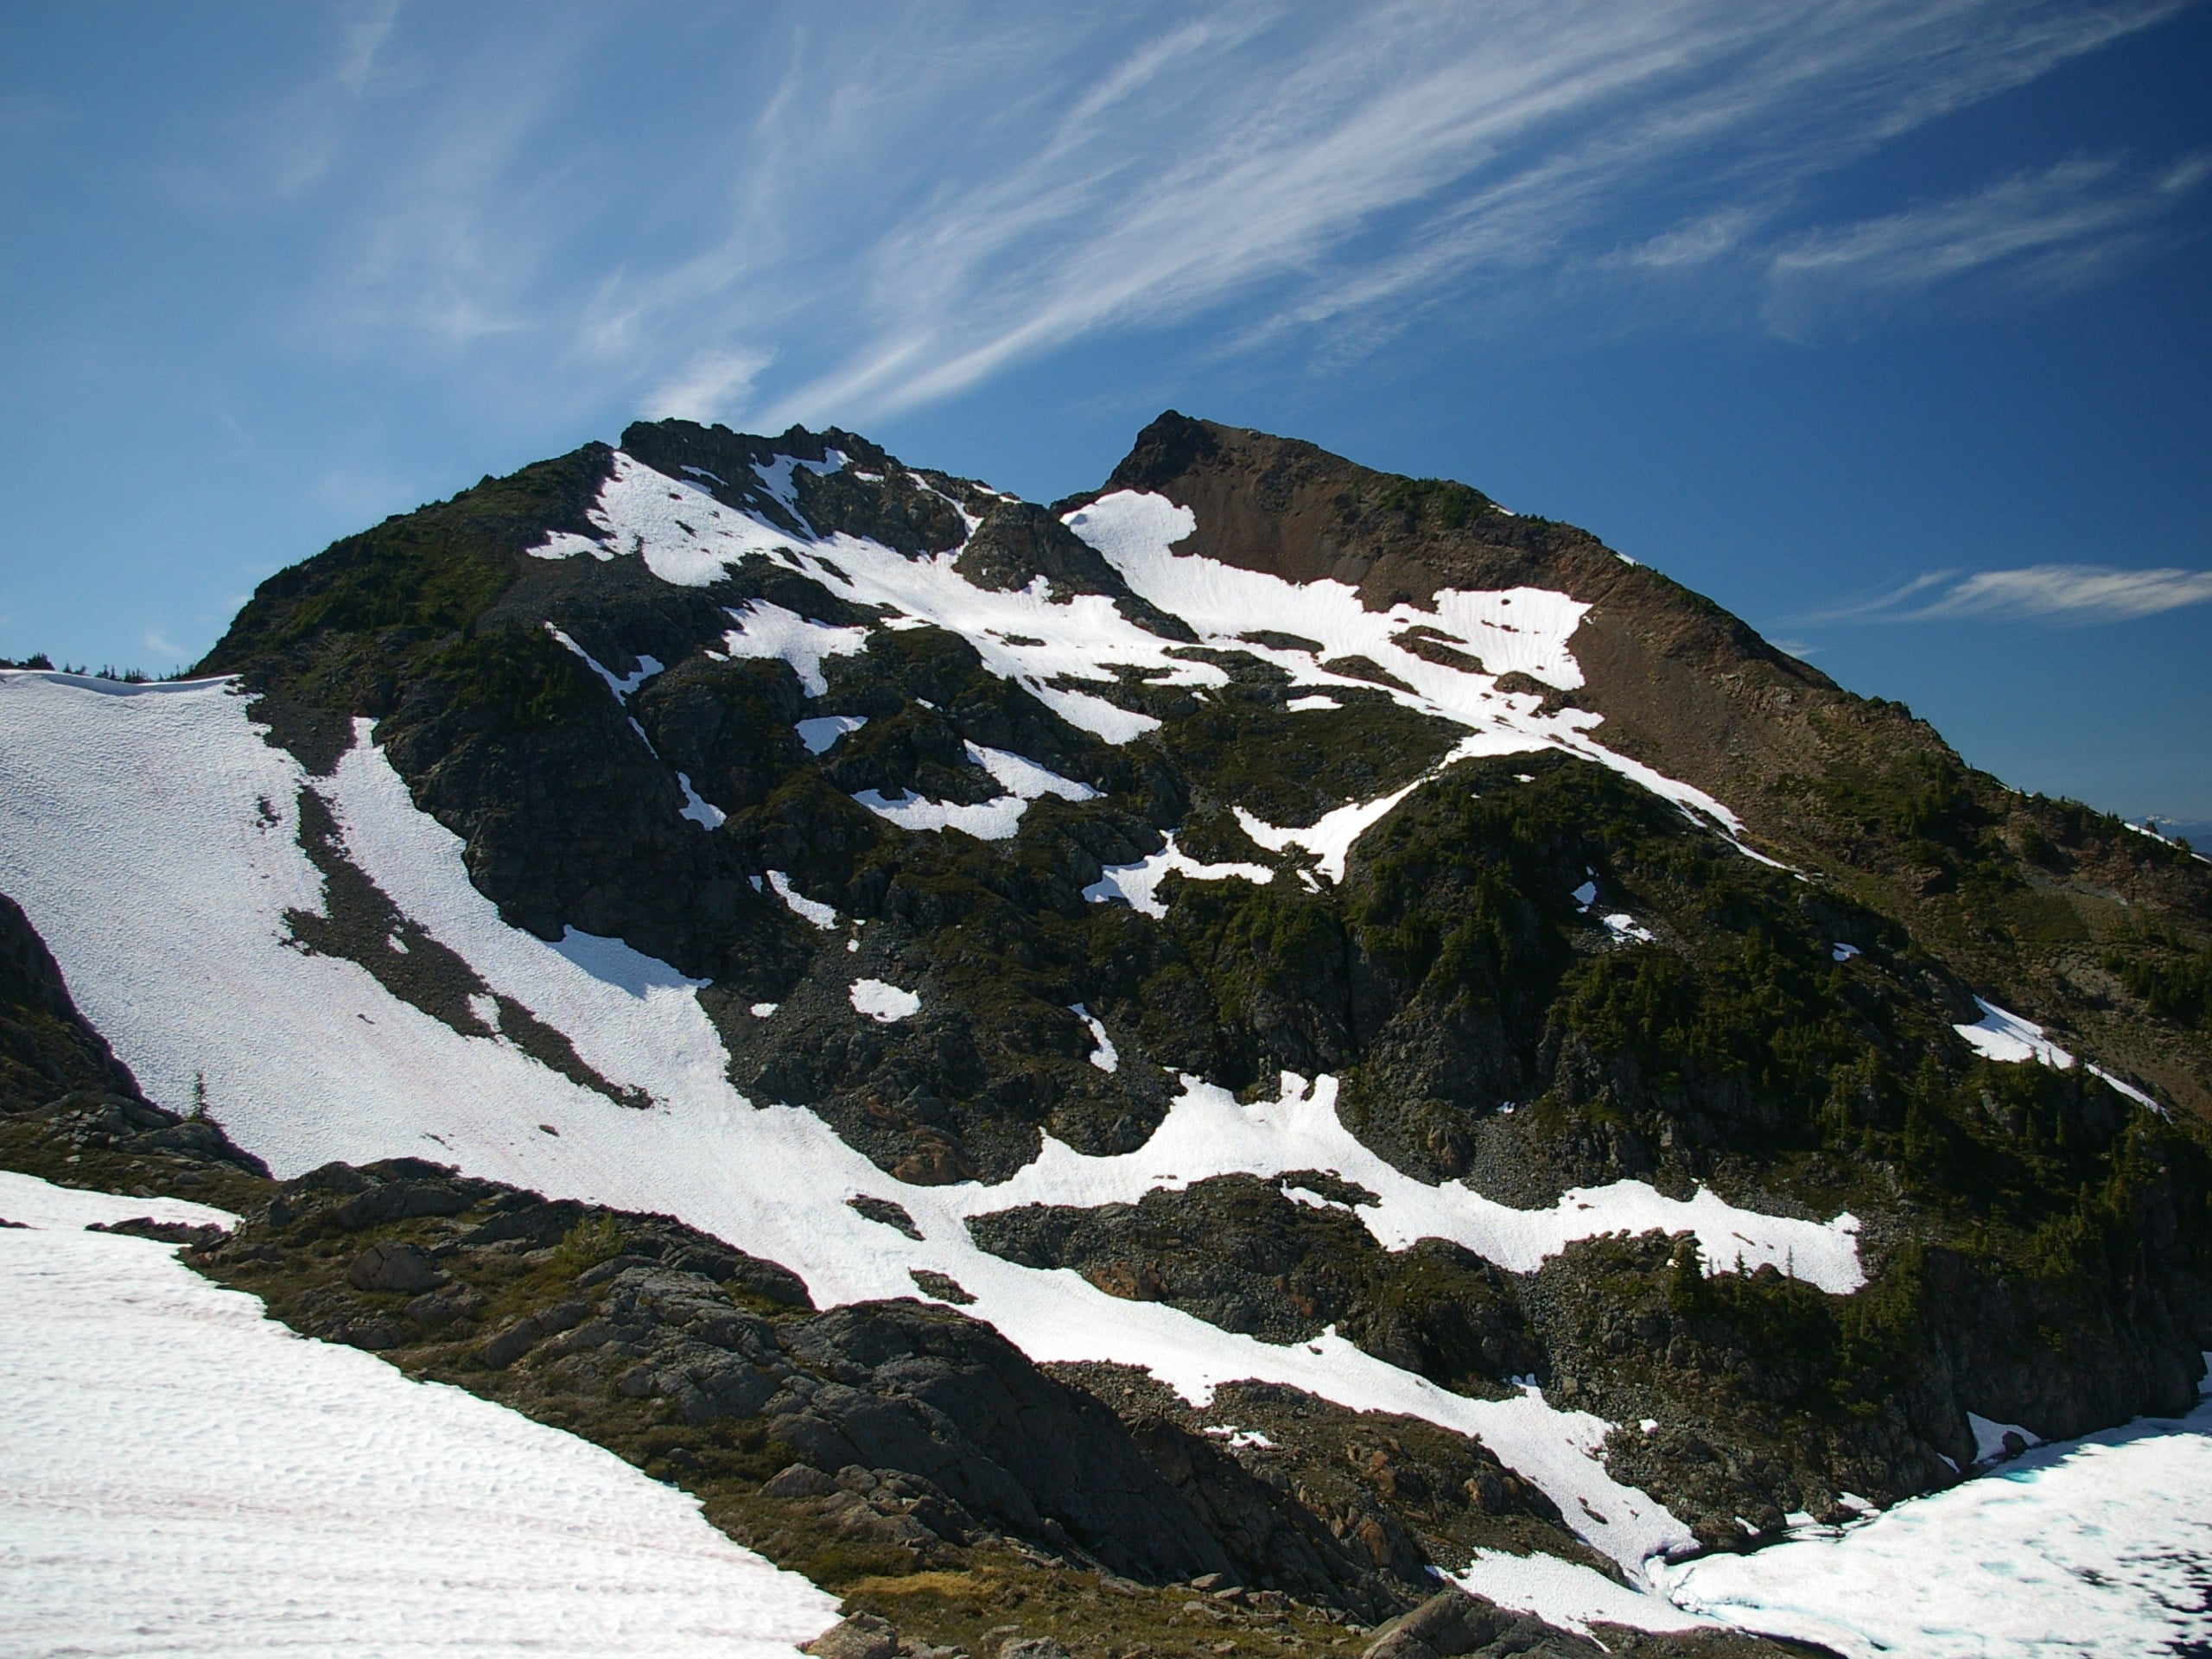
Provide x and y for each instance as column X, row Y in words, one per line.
column 1157, row 1073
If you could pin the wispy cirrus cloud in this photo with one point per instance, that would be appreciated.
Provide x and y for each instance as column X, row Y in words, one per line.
column 845, row 217
column 2050, row 228
column 2064, row 593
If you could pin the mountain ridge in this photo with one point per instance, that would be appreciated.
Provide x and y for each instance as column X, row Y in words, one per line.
column 1480, row 945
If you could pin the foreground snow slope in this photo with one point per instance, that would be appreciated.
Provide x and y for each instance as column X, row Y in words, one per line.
column 2097, row 1546
column 185, row 1476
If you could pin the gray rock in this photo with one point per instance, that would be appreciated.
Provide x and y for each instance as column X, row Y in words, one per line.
column 1033, row 1647
column 504, row 1346
column 394, row 1267
column 864, row 1635
column 1451, row 1623
column 798, row 1481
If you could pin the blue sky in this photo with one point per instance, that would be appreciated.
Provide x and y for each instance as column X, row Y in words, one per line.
column 1884, row 324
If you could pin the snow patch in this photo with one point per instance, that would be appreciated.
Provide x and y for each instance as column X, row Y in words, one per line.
column 883, row 1003
column 807, row 910
column 1569, row 1594
column 1989, row 1438
column 821, row 732
column 2100, row 1546
column 2007, row 1038
column 1238, row 1438
column 768, row 629
column 701, row 811
column 1138, row 885
column 778, row 477
column 2012, row 1040
column 1330, row 837
column 1207, row 1132
column 620, row 684
column 1102, row 1053
column 30, row 1201
column 996, row 819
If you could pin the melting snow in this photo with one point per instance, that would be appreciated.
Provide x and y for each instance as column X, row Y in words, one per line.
column 883, row 1003
column 685, row 536
column 1239, row 1438
column 2006, row 1037
column 697, row 808
column 1330, row 837
column 1207, row 1132
column 1989, row 1437
column 1998, row 1035
column 1842, row 952
column 777, row 477
column 1624, row 926
column 186, row 1477
column 175, row 785
column 622, row 685
column 1569, row 1594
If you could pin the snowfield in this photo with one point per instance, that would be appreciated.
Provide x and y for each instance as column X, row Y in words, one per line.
column 186, row 1478
column 2097, row 1546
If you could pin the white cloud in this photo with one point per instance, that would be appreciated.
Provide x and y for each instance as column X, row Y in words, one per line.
column 710, row 388
column 2051, row 227
column 2072, row 592
column 896, row 206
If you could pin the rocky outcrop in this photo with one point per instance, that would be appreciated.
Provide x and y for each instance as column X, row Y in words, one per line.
column 46, row 1048
column 1241, row 1253
column 71, row 1112
column 898, row 1423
